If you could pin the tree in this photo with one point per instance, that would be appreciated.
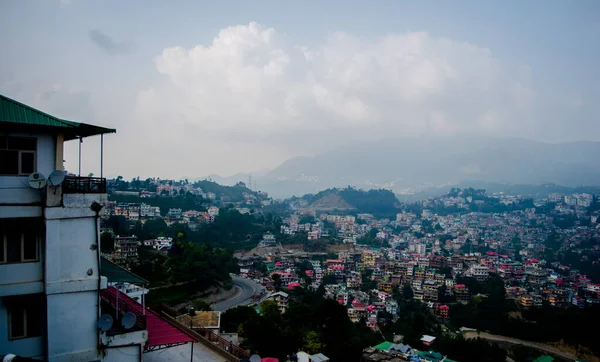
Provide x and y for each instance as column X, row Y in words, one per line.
column 201, row 305
column 329, row 279
column 276, row 281
column 270, row 310
column 107, row 244
column 312, row 343
column 118, row 224
column 407, row 292
column 233, row 318
column 308, row 219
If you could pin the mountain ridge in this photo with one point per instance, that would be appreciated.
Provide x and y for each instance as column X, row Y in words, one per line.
column 449, row 160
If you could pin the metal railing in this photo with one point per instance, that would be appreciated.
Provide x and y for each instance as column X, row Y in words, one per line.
column 84, row 185
column 207, row 335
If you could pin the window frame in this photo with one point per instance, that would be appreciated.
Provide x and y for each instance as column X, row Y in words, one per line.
column 34, row 153
column 10, row 320
column 23, row 260
column 20, row 152
column 27, row 312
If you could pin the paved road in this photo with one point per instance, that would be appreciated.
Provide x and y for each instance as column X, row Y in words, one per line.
column 246, row 288
column 540, row 346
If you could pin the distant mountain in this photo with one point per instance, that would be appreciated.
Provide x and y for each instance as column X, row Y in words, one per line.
column 400, row 163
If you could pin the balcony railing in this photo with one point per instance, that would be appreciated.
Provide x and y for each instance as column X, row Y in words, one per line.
column 84, row 185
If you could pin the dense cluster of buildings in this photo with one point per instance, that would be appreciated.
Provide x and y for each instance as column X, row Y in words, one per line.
column 141, row 212
column 432, row 253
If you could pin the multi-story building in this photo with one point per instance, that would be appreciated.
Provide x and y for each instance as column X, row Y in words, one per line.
column 430, row 290
column 281, row 299
column 462, row 293
column 525, row 300
column 391, row 306
column 444, row 311
column 479, row 272
column 334, row 265
column 149, row 211
column 50, row 283
column 421, row 249
column 126, row 250
column 268, row 240
column 368, row 258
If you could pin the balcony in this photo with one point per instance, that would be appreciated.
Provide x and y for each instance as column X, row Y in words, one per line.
column 84, row 185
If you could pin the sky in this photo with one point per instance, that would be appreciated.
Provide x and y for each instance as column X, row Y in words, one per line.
column 218, row 87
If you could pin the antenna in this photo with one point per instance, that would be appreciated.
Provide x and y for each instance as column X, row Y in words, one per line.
column 128, row 320
column 37, row 180
column 105, row 322
column 56, row 178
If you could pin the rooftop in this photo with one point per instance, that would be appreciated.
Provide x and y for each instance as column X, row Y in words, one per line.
column 16, row 115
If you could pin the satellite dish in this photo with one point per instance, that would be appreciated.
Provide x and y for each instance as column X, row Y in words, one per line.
column 37, row 180
column 255, row 358
column 128, row 320
column 105, row 322
column 56, row 178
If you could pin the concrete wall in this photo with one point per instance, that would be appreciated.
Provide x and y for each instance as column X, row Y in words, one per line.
column 16, row 190
column 29, row 274
column 71, row 281
column 124, row 354
column 84, row 200
column 72, row 333
column 125, row 347
column 70, row 253
column 26, row 347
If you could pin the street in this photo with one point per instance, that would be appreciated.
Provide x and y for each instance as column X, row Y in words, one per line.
column 540, row 346
column 247, row 288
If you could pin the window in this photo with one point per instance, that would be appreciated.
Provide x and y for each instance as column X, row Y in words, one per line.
column 17, row 155
column 19, row 247
column 25, row 316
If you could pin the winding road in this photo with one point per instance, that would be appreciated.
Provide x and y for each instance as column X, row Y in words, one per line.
column 246, row 288
column 539, row 346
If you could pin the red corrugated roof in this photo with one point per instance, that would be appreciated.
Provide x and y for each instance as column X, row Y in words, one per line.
column 160, row 331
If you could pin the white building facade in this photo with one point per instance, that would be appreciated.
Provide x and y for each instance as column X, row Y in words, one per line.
column 50, row 283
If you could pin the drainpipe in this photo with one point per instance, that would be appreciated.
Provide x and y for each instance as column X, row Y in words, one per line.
column 96, row 207
column 44, row 256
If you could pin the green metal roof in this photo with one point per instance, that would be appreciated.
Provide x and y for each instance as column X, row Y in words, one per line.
column 383, row 346
column 544, row 358
column 16, row 115
column 117, row 274
column 431, row 355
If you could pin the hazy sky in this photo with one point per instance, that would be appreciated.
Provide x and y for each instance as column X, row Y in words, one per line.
column 196, row 87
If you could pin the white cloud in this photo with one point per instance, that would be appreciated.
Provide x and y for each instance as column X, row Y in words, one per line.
column 257, row 82
column 254, row 97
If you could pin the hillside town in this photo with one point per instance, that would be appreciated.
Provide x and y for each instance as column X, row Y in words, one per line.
column 426, row 251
